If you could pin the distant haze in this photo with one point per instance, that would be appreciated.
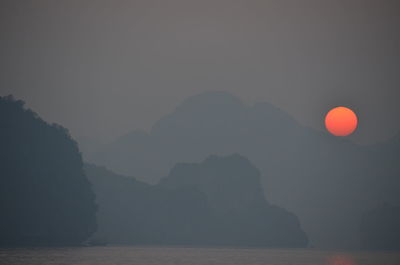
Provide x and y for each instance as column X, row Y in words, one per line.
column 327, row 181
column 105, row 68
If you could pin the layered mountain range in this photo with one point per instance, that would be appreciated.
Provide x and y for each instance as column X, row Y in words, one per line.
column 327, row 181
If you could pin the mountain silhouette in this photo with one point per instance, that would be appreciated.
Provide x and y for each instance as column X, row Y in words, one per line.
column 232, row 187
column 217, row 202
column 230, row 183
column 45, row 196
column 133, row 212
column 327, row 181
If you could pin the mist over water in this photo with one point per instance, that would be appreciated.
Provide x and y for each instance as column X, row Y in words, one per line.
column 191, row 256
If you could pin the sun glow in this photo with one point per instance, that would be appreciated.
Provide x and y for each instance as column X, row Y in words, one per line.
column 341, row 121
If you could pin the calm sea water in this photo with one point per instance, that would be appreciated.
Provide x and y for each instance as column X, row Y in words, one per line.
column 121, row 255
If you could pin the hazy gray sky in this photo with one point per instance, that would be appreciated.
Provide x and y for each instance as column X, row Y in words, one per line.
column 104, row 68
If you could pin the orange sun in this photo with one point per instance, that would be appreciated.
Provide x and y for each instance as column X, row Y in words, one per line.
column 341, row 121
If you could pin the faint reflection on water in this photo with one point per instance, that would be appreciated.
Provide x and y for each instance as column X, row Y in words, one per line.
column 126, row 255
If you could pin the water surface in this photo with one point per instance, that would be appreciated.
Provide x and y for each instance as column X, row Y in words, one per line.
column 121, row 255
